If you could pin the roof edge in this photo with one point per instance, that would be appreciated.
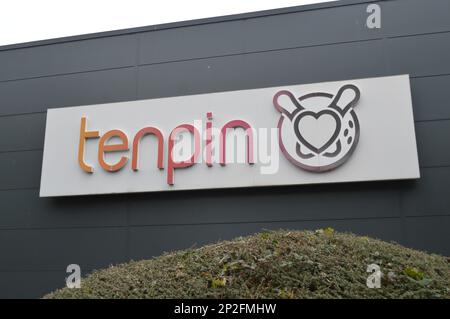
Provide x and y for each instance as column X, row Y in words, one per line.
column 187, row 23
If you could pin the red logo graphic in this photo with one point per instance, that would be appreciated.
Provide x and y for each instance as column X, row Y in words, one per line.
column 319, row 131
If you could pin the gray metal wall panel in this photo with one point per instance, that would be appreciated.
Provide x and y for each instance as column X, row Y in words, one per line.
column 403, row 17
column 77, row 56
column 430, row 97
column 23, row 209
column 20, row 169
column 432, row 142
column 429, row 233
column 421, row 55
column 428, row 196
column 53, row 249
column 256, row 70
column 305, row 28
column 309, row 28
column 22, row 132
column 266, row 204
column 332, row 25
column 37, row 95
column 30, row 284
column 39, row 237
column 191, row 42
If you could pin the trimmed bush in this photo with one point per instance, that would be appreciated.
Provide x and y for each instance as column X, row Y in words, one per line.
column 275, row 264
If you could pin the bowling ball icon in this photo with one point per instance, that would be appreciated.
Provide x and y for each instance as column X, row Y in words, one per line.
column 319, row 131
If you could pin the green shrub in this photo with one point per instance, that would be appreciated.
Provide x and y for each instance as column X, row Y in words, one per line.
column 278, row 264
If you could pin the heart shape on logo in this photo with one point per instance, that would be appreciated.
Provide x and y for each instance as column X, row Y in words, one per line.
column 317, row 131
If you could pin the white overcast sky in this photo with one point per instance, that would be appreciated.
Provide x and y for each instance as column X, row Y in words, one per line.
column 31, row 20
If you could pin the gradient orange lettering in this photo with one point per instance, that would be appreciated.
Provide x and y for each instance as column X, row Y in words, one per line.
column 104, row 148
column 84, row 135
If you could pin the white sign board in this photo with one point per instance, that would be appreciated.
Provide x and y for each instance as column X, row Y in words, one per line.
column 345, row 131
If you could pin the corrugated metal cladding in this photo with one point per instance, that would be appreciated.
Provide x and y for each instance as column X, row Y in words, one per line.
column 39, row 237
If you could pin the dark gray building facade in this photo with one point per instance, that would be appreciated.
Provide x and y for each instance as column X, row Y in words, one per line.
column 39, row 237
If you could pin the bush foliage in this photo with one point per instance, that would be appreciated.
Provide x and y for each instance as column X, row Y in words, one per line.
column 275, row 264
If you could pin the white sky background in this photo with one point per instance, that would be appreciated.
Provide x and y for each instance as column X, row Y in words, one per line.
column 31, row 20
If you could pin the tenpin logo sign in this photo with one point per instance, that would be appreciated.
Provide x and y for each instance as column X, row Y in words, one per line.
column 318, row 131
column 329, row 132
